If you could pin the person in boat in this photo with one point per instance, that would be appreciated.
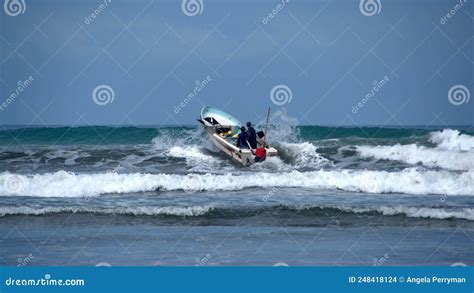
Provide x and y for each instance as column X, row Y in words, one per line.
column 252, row 136
column 226, row 132
column 260, row 154
column 242, row 139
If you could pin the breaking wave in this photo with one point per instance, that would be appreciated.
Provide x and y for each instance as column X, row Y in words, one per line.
column 453, row 151
column 414, row 154
column 408, row 181
column 209, row 211
column 136, row 211
column 450, row 139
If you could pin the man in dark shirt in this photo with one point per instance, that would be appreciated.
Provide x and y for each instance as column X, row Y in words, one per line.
column 252, row 135
column 242, row 139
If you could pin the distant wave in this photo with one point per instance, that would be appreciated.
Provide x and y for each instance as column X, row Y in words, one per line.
column 409, row 181
column 127, row 135
column 143, row 211
column 214, row 212
column 453, row 151
column 414, row 154
column 416, row 212
column 450, row 139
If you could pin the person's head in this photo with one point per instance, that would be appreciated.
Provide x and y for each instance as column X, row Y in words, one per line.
column 249, row 124
column 242, row 129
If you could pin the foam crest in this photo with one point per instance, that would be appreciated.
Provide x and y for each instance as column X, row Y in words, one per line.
column 197, row 211
column 418, row 212
column 450, row 139
column 408, row 181
column 414, row 154
column 304, row 155
column 137, row 211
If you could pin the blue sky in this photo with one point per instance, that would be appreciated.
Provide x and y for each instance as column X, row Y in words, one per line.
column 324, row 56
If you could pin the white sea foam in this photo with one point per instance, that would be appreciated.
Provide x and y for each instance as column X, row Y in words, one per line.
column 414, row 154
column 453, row 151
column 413, row 212
column 192, row 154
column 409, row 181
column 449, row 139
column 138, row 211
column 305, row 155
column 418, row 212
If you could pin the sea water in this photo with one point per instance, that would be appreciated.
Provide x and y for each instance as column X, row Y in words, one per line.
column 166, row 196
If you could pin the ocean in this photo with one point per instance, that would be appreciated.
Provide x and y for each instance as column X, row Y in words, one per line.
column 165, row 196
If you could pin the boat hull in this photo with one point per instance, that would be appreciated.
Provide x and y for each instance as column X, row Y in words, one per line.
column 243, row 156
column 216, row 121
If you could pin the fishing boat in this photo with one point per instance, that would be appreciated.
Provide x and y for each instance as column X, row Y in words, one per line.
column 223, row 130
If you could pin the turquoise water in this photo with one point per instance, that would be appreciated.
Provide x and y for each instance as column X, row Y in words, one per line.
column 143, row 135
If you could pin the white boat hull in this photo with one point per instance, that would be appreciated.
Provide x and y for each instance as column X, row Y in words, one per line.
column 216, row 121
column 243, row 156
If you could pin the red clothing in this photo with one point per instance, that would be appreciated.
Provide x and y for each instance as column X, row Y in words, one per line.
column 261, row 152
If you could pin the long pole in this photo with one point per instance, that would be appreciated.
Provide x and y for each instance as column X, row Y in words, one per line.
column 266, row 128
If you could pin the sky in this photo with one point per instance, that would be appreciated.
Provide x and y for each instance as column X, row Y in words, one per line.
column 328, row 62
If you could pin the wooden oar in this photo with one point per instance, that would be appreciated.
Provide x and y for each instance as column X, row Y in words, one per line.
column 250, row 147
